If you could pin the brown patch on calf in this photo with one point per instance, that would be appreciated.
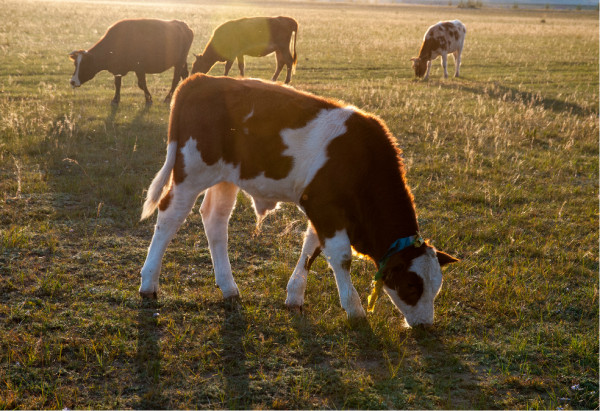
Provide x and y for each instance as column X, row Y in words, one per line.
column 311, row 259
column 447, row 26
column 396, row 276
column 429, row 45
column 346, row 264
column 165, row 201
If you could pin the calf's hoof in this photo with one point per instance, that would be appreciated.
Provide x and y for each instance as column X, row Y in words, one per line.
column 294, row 309
column 357, row 323
column 148, row 295
column 232, row 298
column 233, row 303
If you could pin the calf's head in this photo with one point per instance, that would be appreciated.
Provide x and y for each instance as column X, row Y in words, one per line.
column 84, row 67
column 419, row 65
column 412, row 279
column 201, row 64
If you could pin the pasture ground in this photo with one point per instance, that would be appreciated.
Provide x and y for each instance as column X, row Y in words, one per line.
column 503, row 163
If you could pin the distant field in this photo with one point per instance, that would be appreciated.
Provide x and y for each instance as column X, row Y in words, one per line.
column 503, row 163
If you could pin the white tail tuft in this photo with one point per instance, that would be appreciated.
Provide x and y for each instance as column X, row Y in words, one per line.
column 158, row 187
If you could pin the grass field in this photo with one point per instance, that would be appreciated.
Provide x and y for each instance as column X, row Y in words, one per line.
column 503, row 163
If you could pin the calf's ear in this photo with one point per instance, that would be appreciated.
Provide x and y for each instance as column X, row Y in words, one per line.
column 73, row 55
column 445, row 259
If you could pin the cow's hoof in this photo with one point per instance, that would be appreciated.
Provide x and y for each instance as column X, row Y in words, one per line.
column 358, row 323
column 148, row 295
column 232, row 303
column 232, row 298
column 294, row 309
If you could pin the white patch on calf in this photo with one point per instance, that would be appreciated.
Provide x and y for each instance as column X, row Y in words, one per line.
column 308, row 145
column 428, row 268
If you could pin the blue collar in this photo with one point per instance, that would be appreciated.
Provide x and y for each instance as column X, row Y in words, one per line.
column 397, row 246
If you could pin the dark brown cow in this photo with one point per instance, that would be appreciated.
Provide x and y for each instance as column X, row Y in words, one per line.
column 339, row 164
column 138, row 45
column 439, row 40
column 256, row 37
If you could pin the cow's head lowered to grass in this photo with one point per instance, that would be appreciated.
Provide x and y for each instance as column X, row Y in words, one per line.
column 412, row 278
column 338, row 164
column 85, row 69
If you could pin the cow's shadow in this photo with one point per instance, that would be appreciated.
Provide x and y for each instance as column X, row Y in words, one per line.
column 233, row 360
column 138, row 119
column 391, row 366
column 456, row 384
column 148, row 358
column 496, row 90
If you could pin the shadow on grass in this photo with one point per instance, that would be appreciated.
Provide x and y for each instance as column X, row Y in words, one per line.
column 235, row 371
column 136, row 121
column 330, row 354
column 453, row 382
column 498, row 91
column 148, row 358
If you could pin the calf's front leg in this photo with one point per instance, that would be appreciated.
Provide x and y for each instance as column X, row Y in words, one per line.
column 457, row 62
column 427, row 72
column 445, row 64
column 339, row 256
column 297, row 284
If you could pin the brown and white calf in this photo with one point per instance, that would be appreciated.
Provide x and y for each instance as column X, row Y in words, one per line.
column 139, row 45
column 338, row 164
column 440, row 39
column 254, row 36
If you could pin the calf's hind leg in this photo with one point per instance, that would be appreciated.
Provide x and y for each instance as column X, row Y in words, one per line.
column 218, row 203
column 457, row 62
column 173, row 210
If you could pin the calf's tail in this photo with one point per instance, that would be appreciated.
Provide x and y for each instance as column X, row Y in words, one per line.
column 295, row 56
column 160, row 185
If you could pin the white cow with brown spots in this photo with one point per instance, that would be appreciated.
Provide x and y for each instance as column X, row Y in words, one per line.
column 440, row 39
column 339, row 164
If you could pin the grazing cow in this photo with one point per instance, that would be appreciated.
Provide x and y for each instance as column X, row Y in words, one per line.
column 138, row 45
column 339, row 164
column 440, row 39
column 256, row 37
